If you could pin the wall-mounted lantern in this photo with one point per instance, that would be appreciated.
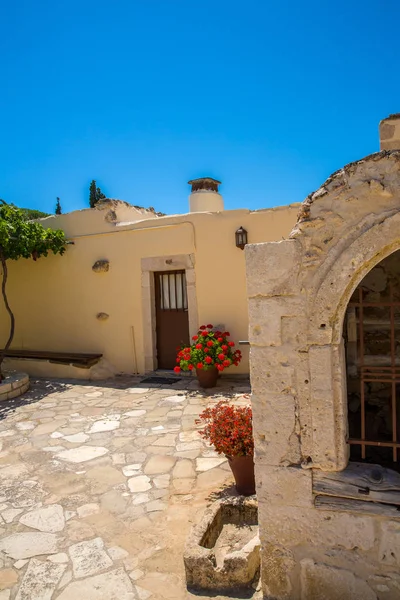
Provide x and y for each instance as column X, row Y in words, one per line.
column 241, row 238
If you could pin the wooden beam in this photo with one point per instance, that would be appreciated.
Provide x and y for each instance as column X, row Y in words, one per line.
column 356, row 506
column 359, row 481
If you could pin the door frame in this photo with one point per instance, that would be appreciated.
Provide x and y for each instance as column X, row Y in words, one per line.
column 149, row 266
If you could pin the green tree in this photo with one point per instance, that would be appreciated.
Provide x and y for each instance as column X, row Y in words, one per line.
column 58, row 210
column 31, row 213
column 20, row 238
column 95, row 194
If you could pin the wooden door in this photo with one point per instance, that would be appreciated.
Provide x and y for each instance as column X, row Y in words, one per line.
column 172, row 319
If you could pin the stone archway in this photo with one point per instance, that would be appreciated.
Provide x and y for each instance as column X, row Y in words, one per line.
column 298, row 291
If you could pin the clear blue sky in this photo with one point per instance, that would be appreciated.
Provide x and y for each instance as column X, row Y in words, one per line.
column 142, row 95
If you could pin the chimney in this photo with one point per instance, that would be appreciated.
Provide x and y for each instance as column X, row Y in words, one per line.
column 389, row 132
column 205, row 196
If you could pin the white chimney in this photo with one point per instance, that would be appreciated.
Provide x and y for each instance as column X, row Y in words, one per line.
column 205, row 196
column 389, row 132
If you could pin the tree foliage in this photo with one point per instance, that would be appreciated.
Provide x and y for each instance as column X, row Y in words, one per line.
column 24, row 239
column 58, row 210
column 95, row 194
column 20, row 238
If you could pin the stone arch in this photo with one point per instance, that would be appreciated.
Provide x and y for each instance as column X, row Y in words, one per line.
column 296, row 316
column 348, row 270
column 299, row 290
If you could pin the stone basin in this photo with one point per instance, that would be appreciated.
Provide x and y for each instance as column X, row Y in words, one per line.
column 223, row 551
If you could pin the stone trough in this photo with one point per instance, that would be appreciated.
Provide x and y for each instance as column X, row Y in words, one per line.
column 15, row 384
column 223, row 551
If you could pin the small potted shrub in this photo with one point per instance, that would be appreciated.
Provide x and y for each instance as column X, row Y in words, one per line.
column 210, row 353
column 230, row 430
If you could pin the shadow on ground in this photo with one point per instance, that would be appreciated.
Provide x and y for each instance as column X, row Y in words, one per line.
column 34, row 394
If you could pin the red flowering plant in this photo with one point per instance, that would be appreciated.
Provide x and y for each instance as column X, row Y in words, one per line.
column 209, row 349
column 229, row 428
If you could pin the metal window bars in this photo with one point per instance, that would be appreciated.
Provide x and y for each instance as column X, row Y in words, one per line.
column 173, row 293
column 378, row 373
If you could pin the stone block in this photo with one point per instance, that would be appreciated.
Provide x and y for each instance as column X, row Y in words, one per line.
column 289, row 486
column 389, row 547
column 272, row 370
column 319, row 581
column 290, row 526
column 274, row 422
column 265, row 315
column 327, row 404
column 101, row 266
column 272, row 268
column 386, row 130
column 294, row 331
column 276, row 566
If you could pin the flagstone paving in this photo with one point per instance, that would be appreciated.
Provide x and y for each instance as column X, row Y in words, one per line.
column 99, row 486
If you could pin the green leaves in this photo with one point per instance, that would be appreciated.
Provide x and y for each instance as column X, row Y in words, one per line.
column 24, row 239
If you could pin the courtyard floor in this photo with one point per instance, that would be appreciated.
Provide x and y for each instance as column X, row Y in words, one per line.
column 100, row 484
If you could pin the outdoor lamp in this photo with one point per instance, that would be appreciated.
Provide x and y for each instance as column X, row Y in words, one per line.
column 241, row 238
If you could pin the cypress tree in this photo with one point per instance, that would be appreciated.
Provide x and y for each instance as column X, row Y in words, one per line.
column 95, row 194
column 92, row 194
column 58, row 210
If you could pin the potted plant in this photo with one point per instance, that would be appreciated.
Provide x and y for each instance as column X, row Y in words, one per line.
column 210, row 353
column 230, row 430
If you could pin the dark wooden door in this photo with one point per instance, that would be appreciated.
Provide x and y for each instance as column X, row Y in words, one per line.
column 172, row 319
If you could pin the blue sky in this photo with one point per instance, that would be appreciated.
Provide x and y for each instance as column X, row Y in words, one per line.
column 143, row 95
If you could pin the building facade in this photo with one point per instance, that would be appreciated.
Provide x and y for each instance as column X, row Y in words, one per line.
column 134, row 285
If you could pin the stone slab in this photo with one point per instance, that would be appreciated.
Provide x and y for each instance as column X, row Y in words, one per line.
column 40, row 580
column 49, row 519
column 82, row 454
column 27, row 545
column 114, row 585
column 89, row 557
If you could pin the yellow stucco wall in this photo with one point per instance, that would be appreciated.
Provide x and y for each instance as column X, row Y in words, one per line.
column 56, row 299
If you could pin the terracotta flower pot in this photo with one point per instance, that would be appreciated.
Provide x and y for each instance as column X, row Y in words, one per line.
column 207, row 378
column 243, row 472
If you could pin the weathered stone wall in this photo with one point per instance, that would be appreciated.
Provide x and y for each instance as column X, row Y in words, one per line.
column 298, row 292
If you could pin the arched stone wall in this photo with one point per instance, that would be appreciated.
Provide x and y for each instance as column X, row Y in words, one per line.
column 298, row 292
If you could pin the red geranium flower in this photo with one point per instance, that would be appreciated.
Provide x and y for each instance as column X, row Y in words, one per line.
column 220, row 339
column 224, row 347
column 199, row 365
column 202, row 327
column 190, row 367
column 220, row 367
column 221, row 356
column 195, row 337
column 231, row 344
column 228, row 429
column 227, row 333
column 178, row 360
column 199, row 346
column 206, row 350
column 210, row 326
column 210, row 343
column 177, row 369
column 208, row 359
column 226, row 362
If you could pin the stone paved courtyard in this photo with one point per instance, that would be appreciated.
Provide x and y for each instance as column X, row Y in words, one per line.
column 100, row 484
